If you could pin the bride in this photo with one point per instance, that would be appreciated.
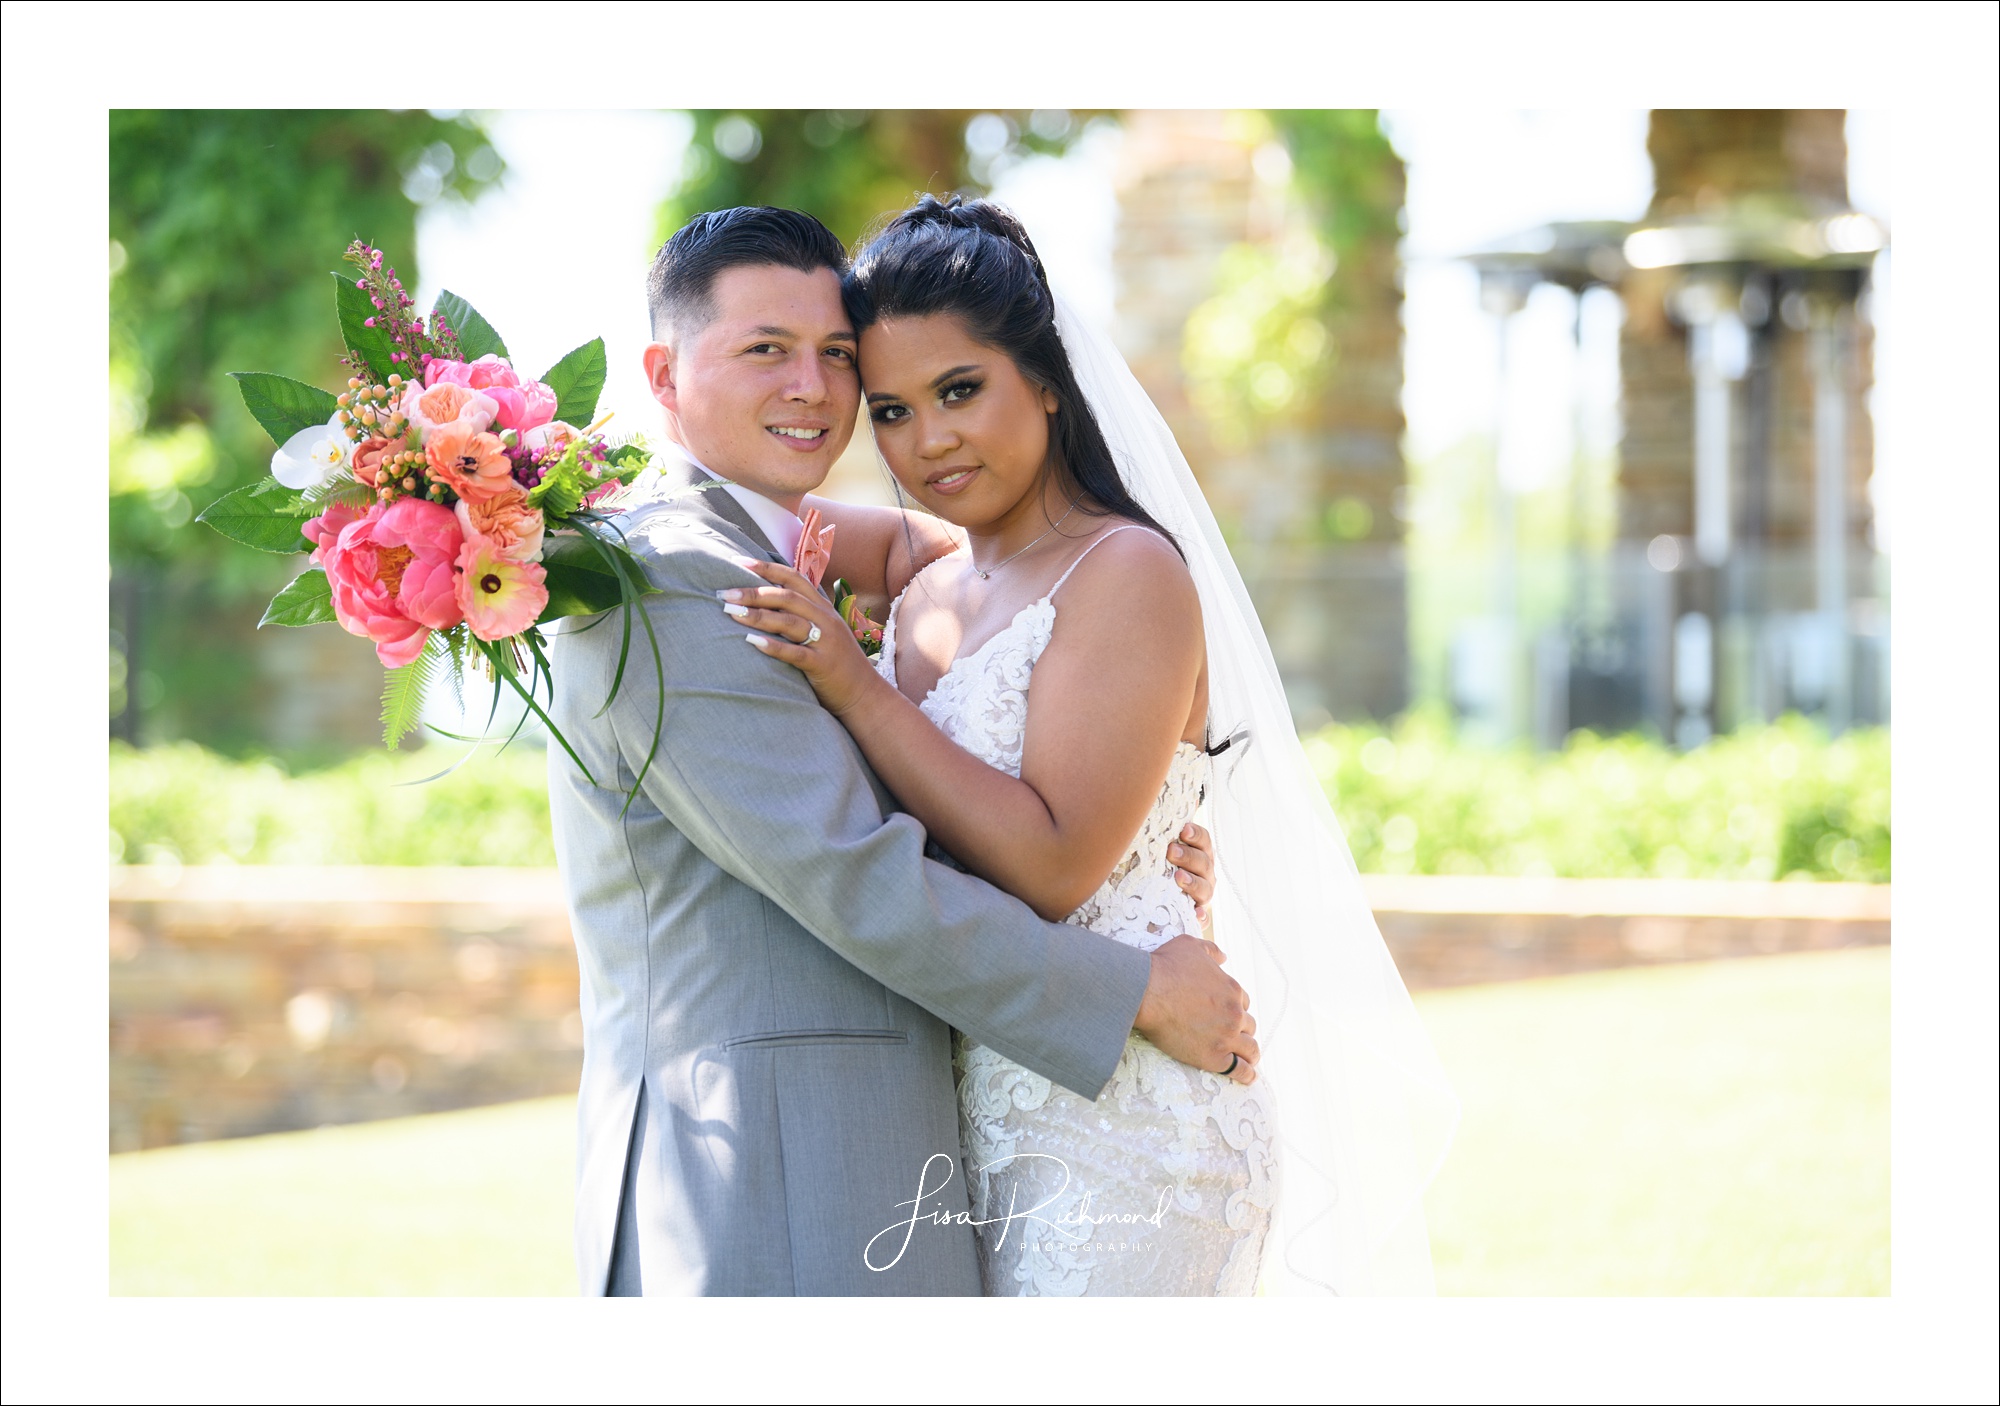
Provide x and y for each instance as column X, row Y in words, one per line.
column 1052, row 700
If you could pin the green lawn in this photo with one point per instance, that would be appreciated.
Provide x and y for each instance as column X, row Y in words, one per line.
column 476, row 1202
column 1716, row 1128
column 1710, row 1129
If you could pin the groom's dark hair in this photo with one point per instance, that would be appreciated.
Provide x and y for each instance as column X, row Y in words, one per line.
column 683, row 276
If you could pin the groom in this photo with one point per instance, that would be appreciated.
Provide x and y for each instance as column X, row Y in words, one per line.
column 770, row 964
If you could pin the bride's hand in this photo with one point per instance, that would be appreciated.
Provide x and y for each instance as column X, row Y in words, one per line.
column 1193, row 854
column 782, row 616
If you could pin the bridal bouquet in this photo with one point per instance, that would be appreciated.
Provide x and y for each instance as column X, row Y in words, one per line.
column 450, row 505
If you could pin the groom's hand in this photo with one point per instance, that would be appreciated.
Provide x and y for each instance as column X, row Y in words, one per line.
column 1196, row 1012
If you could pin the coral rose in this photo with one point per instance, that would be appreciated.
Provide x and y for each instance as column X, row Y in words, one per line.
column 392, row 573
column 499, row 596
column 434, row 407
column 507, row 522
column 369, row 456
column 472, row 464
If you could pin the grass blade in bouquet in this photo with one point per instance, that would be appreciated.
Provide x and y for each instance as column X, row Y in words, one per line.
column 451, row 506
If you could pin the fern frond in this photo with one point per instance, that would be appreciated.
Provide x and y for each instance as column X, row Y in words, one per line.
column 403, row 691
column 339, row 489
column 454, row 640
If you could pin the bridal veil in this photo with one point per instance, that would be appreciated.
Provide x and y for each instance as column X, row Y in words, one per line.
column 1364, row 1108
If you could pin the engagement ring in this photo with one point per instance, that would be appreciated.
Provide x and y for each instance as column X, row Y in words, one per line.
column 812, row 635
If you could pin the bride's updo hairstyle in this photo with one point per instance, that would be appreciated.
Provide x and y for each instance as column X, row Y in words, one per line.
column 973, row 260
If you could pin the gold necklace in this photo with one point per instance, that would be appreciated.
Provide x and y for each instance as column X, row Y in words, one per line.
column 987, row 574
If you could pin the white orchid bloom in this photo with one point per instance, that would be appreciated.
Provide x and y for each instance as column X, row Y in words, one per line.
column 312, row 456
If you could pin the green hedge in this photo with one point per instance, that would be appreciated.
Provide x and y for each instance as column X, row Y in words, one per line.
column 1773, row 802
column 184, row 802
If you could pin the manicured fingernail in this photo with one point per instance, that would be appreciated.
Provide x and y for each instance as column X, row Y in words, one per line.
column 736, row 610
column 1175, row 852
column 1187, row 831
column 729, row 595
column 757, row 640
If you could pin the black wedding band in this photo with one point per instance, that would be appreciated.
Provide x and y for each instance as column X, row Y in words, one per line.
column 1234, row 1060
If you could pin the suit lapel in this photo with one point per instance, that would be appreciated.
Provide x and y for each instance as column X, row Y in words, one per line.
column 685, row 483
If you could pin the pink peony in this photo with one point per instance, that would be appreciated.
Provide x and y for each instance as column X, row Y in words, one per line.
column 507, row 522
column 522, row 405
column 434, row 407
column 324, row 531
column 393, row 572
column 489, row 370
column 532, row 405
column 500, row 596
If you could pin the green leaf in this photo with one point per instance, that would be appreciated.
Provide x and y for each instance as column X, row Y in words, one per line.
column 369, row 344
column 580, row 582
column 308, row 600
column 578, row 380
column 270, row 522
column 403, row 691
column 476, row 337
column 629, row 458
column 560, row 493
column 284, row 406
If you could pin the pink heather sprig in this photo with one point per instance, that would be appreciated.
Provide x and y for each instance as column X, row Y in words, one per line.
column 412, row 347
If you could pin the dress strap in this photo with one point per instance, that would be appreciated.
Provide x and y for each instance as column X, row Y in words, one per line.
column 1086, row 552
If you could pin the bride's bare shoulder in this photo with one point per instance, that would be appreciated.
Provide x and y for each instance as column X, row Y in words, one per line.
column 1133, row 577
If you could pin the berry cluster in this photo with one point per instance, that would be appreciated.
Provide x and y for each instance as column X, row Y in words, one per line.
column 372, row 412
column 383, row 457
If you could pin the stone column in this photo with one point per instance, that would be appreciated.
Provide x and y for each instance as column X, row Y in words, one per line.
column 1311, row 509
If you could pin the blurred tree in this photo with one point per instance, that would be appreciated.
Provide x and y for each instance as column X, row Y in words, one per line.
column 224, row 225
column 1263, row 349
column 851, row 167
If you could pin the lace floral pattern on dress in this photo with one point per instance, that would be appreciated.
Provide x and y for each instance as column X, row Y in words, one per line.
column 1166, row 1182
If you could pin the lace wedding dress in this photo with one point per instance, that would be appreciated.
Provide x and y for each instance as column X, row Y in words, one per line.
column 1166, row 1183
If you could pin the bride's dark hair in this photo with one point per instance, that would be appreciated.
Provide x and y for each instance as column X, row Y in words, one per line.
column 973, row 260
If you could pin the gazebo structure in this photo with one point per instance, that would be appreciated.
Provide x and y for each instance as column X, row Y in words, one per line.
column 1743, row 582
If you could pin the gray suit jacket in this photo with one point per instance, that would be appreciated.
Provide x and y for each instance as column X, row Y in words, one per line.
column 765, row 947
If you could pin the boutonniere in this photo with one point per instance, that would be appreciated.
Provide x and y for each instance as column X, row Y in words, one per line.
column 867, row 633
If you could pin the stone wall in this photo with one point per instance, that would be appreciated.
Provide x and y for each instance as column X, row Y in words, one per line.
column 1462, row 931
column 261, row 999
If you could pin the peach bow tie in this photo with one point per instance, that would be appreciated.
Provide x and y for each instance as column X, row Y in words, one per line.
column 815, row 548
